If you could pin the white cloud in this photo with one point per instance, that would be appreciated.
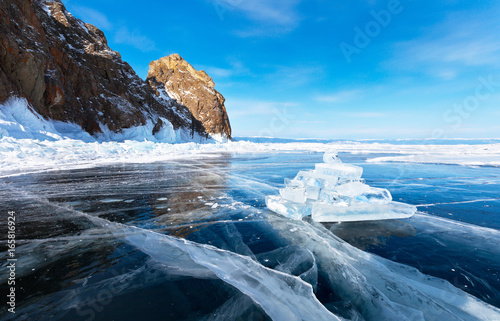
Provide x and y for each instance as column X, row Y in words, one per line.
column 339, row 97
column 465, row 51
column 363, row 114
column 243, row 108
column 217, row 72
column 135, row 39
column 310, row 121
column 93, row 17
column 294, row 76
column 461, row 42
column 273, row 16
column 236, row 67
column 261, row 31
column 271, row 11
column 446, row 74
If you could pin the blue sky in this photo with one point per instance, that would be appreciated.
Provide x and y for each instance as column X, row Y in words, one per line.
column 346, row 69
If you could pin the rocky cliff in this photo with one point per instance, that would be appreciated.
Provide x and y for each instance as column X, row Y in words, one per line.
column 193, row 89
column 67, row 72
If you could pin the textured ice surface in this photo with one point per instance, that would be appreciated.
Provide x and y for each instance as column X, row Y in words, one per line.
column 282, row 296
column 280, row 281
column 375, row 195
column 312, row 178
column 331, row 156
column 343, row 171
column 333, row 192
column 381, row 289
column 294, row 193
column 352, row 189
column 287, row 208
column 355, row 192
column 450, row 155
column 323, row 212
column 272, row 262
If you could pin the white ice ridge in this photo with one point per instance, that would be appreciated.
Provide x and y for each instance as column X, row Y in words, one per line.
column 381, row 289
column 284, row 297
column 334, row 192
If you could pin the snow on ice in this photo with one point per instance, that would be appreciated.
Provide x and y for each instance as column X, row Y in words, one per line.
column 28, row 142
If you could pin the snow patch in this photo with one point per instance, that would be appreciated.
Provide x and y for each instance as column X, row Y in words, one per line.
column 43, row 5
column 19, row 121
column 468, row 156
column 219, row 138
column 30, row 142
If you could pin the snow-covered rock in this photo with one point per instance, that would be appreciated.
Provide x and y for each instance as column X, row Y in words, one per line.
column 175, row 77
column 66, row 71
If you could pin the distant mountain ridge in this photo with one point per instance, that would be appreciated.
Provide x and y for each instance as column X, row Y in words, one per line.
column 67, row 72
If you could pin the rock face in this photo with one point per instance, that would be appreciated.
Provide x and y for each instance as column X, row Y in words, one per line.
column 67, row 72
column 193, row 89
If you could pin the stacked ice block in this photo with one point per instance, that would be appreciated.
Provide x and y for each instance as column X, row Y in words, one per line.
column 335, row 192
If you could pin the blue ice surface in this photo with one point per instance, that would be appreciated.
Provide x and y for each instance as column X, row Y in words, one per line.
column 465, row 255
column 455, row 237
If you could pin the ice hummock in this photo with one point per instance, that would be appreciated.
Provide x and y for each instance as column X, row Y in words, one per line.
column 335, row 192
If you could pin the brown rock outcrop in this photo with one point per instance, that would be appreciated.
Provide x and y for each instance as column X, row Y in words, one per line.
column 193, row 89
column 67, row 72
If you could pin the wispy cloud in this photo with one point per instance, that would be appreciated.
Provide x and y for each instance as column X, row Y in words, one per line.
column 446, row 74
column 458, row 43
column 242, row 108
column 236, row 67
column 261, row 31
column 294, row 76
column 135, row 39
column 217, row 72
column 310, row 121
column 363, row 114
column 270, row 11
column 92, row 16
column 272, row 16
column 338, row 97
column 449, row 49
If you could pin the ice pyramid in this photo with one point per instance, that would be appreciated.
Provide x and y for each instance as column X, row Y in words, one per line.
column 335, row 192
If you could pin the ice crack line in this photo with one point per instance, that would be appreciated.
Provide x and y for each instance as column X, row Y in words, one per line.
column 461, row 202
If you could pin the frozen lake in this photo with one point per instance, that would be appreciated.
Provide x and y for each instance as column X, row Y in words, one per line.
column 192, row 239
